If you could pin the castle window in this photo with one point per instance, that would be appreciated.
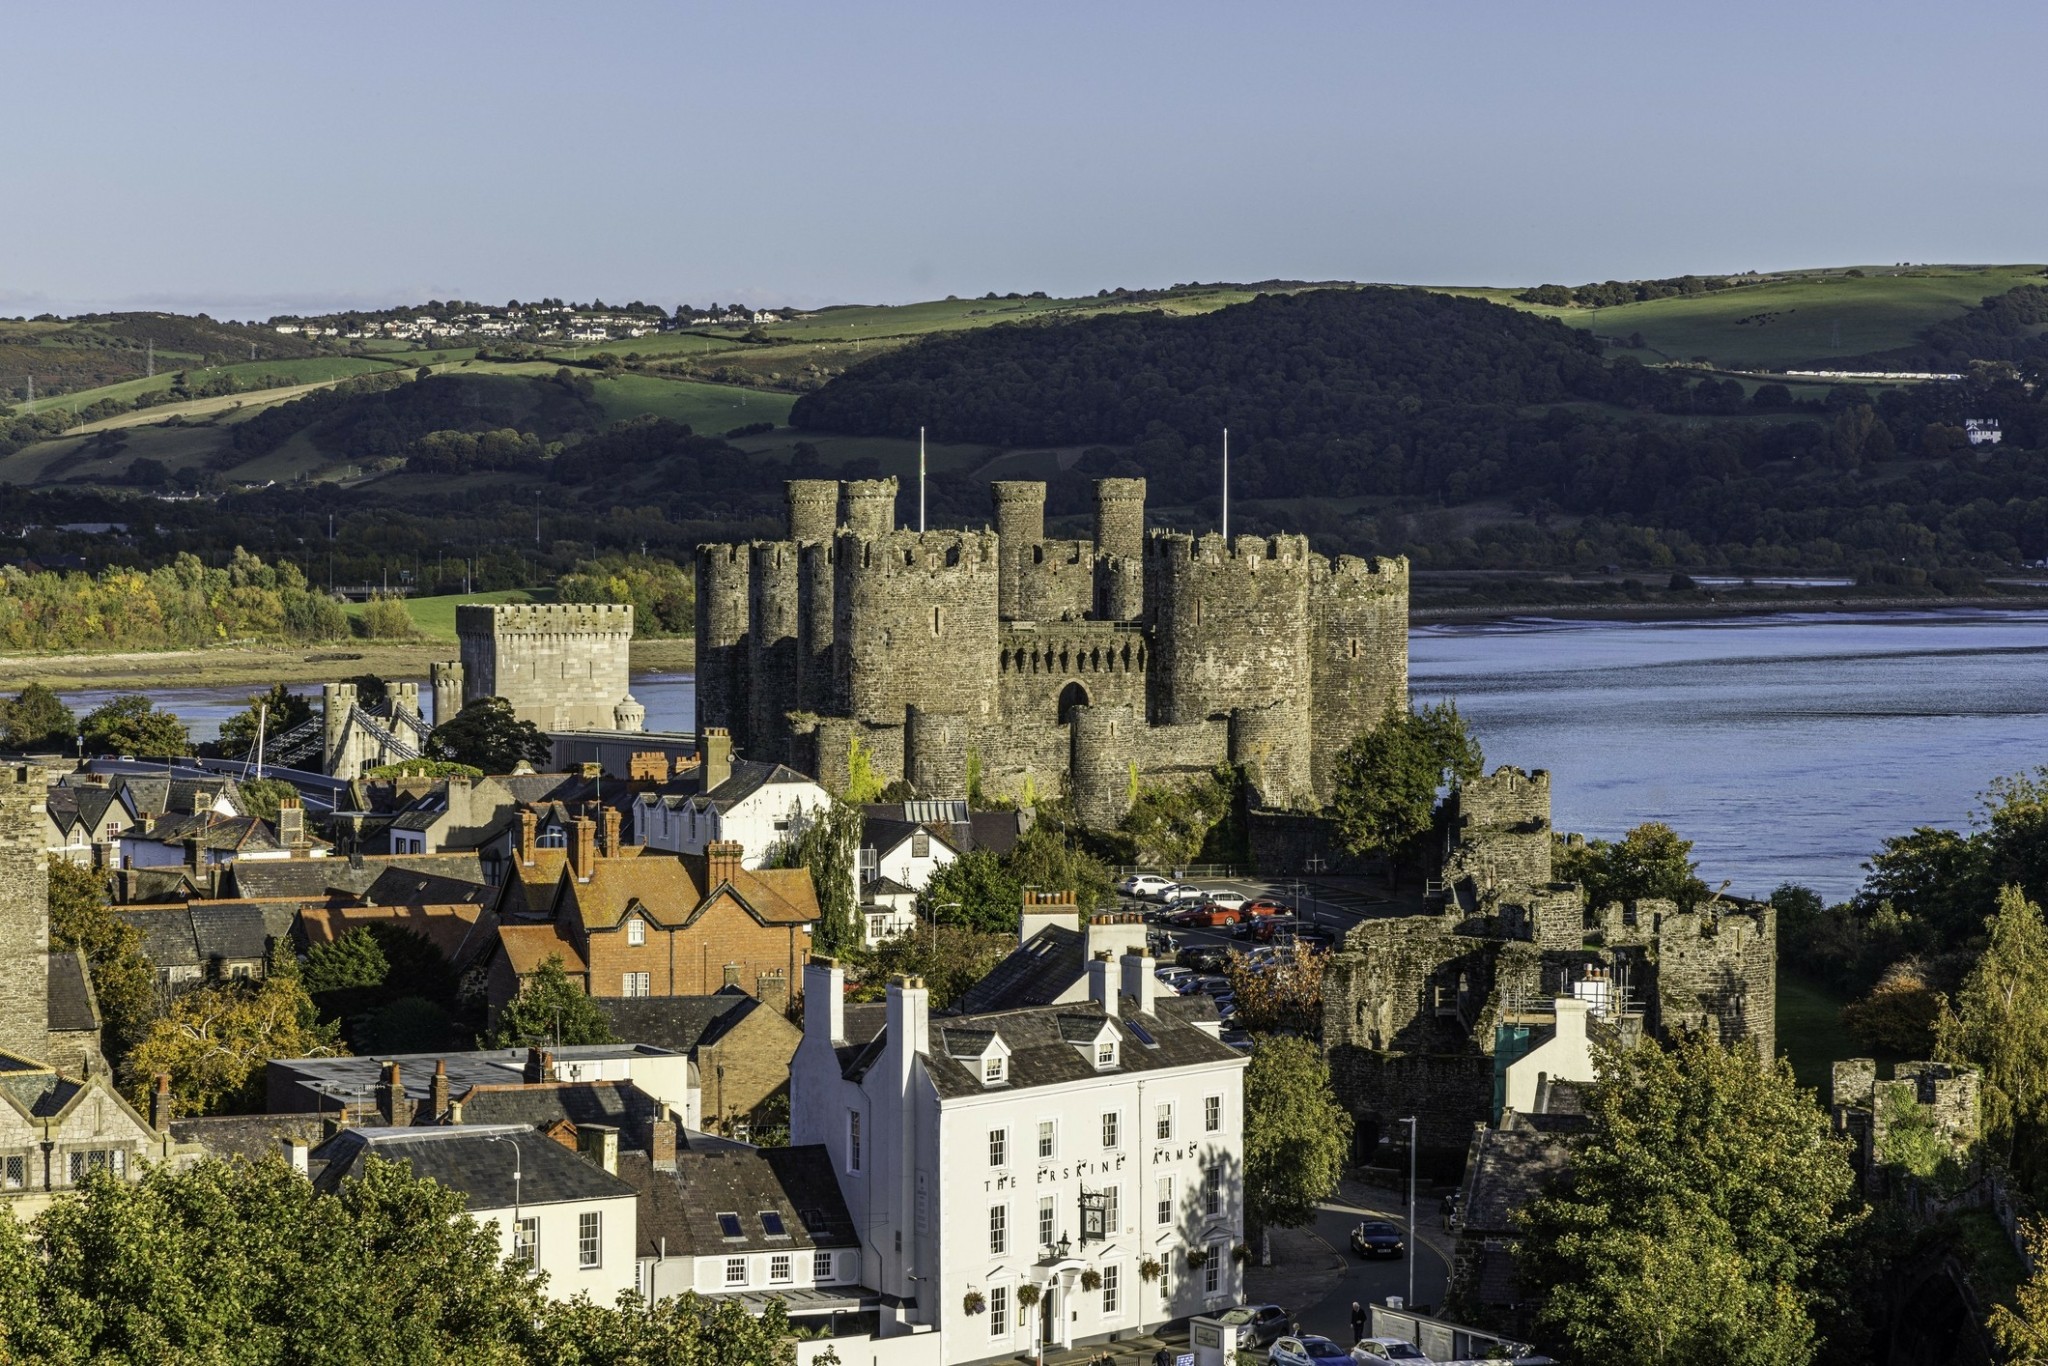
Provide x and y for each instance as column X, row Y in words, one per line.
column 1354, row 649
column 1071, row 696
column 938, row 619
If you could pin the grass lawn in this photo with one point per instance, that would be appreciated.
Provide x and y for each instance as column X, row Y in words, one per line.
column 712, row 409
column 1810, row 1031
column 309, row 370
column 436, row 616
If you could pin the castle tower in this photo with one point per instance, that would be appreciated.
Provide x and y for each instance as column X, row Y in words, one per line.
column 562, row 666
column 1102, row 745
column 869, row 507
column 1230, row 625
column 405, row 697
column 447, row 681
column 1270, row 744
column 1020, row 522
column 773, row 662
column 814, row 630
column 1358, row 654
column 813, row 509
column 337, row 700
column 915, row 624
column 24, row 914
column 723, row 600
column 935, row 752
column 1119, row 549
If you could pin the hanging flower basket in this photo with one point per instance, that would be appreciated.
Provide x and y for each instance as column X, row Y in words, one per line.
column 1091, row 1279
column 1150, row 1269
column 1198, row 1257
column 1241, row 1254
column 1027, row 1295
column 973, row 1303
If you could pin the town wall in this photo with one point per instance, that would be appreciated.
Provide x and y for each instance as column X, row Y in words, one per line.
column 562, row 665
column 24, row 914
column 1500, row 827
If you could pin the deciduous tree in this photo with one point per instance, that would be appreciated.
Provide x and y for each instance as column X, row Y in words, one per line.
column 215, row 1041
column 489, row 735
column 131, row 724
column 551, row 1008
column 123, row 979
column 1296, row 1135
column 273, row 712
column 1285, row 991
column 976, row 890
column 2000, row 1024
column 1649, row 861
column 828, row 845
column 37, row 719
column 1388, row 778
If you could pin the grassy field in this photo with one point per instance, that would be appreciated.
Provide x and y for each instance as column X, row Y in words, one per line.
column 709, row 408
column 310, row 370
column 435, row 617
column 1794, row 317
column 1810, row 1030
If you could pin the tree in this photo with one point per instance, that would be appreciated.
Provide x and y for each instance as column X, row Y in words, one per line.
column 487, row 734
column 1698, row 1217
column 2000, row 1024
column 1047, row 858
column 950, row 958
column 1173, row 824
column 976, row 890
column 130, row 724
column 828, row 844
column 352, row 961
column 260, row 796
column 1284, row 992
column 1296, row 1135
column 123, row 979
column 214, row 1042
column 2021, row 1328
column 384, row 618
column 1649, row 861
column 1388, row 778
column 37, row 719
column 550, row 1008
column 1898, row 1015
column 278, row 710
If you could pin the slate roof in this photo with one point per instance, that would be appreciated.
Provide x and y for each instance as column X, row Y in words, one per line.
column 239, row 834
column 249, row 1136
column 677, row 1023
column 749, row 776
column 83, row 804
column 1035, row 973
column 353, row 1080
column 196, row 933
column 582, row 1102
column 38, row 1094
column 156, row 796
column 679, row 1210
column 1508, row 1169
column 471, row 1160
column 166, row 932
column 1053, row 1046
column 71, row 1002
column 410, row 887
column 314, row 878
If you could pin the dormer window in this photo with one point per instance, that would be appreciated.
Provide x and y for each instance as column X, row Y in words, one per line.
column 994, row 1068
column 1105, row 1052
column 636, row 931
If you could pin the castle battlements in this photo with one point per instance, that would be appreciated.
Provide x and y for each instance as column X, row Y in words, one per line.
column 1159, row 653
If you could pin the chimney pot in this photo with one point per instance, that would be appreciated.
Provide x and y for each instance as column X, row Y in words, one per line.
column 583, row 847
column 529, row 825
column 722, row 861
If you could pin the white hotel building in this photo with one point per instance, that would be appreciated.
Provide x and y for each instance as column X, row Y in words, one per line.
column 1091, row 1150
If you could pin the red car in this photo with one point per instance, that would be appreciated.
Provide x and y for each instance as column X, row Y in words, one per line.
column 1208, row 915
column 1263, row 907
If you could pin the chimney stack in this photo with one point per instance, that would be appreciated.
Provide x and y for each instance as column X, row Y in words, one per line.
column 1139, row 983
column 391, row 1097
column 437, row 1095
column 612, row 821
column 540, row 1067
column 291, row 823
column 722, row 862
column 192, row 854
column 909, row 1015
column 295, row 1153
column 583, row 847
column 661, row 1141
column 529, row 828
column 160, row 1104
column 825, row 999
column 599, row 1143
column 716, row 748
column 1102, row 983
column 772, row 989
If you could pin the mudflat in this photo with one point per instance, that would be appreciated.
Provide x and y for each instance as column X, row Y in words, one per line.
column 261, row 664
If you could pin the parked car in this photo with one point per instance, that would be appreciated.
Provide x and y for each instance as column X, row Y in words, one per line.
column 1307, row 1350
column 1232, row 900
column 1264, row 906
column 1211, row 985
column 1233, row 1037
column 1387, row 1352
column 1202, row 957
column 1202, row 917
column 1173, row 976
column 1144, row 886
column 1176, row 892
column 1257, row 1325
column 1378, row 1238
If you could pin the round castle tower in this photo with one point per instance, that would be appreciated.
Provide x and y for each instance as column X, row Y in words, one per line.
column 869, row 507
column 1020, row 522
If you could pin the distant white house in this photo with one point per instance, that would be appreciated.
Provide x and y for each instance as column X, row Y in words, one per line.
column 1982, row 431
column 760, row 805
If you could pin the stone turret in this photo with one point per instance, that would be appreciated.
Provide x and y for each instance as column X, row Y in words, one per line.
column 1020, row 522
column 447, row 682
column 723, row 572
column 868, row 507
column 813, row 509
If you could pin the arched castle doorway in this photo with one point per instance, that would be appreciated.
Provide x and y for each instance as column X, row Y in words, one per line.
column 1072, row 696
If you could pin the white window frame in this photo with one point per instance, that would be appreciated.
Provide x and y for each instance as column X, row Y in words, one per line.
column 636, row 931
column 822, row 1267
column 1164, row 1202
column 1212, row 1114
column 735, row 1264
column 998, row 1230
column 779, row 1272
column 993, row 1067
column 999, row 1311
column 589, row 1240
column 1048, row 1221
column 1162, row 1121
column 999, row 1147
column 1105, row 1054
column 1112, row 1130
column 1212, row 1270
column 1048, row 1139
column 1112, row 1209
column 526, row 1242
column 1212, row 1191
column 1112, row 1289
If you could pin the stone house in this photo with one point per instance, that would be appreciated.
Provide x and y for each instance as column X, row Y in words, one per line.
column 200, row 941
column 55, row 1128
column 741, row 1047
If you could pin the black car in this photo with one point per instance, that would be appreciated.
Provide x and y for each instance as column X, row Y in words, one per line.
column 1203, row 958
column 1377, row 1238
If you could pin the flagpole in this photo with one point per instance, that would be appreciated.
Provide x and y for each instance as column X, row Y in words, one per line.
column 920, row 481
column 1226, row 486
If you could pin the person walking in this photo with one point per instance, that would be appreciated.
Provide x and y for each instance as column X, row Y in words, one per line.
column 1357, row 1322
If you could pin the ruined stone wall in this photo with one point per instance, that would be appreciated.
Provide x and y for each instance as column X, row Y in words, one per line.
column 1230, row 625
column 1358, row 654
column 562, row 665
column 724, row 598
column 1038, row 661
column 1022, row 757
column 1718, row 971
column 1500, row 823
column 1055, row 581
column 915, row 624
column 1167, row 752
column 774, row 659
column 24, row 914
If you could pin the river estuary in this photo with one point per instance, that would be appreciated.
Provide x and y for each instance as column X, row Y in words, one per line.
column 1786, row 747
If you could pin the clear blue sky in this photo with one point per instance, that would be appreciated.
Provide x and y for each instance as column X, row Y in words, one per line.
column 250, row 159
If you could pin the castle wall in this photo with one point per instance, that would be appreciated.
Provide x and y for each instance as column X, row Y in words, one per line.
column 562, row 666
column 1230, row 625
column 24, row 914
column 1718, row 971
column 1022, row 757
column 815, row 632
column 935, row 752
column 823, row 746
column 1038, row 661
column 1269, row 744
column 774, row 661
column 1119, row 548
column 1168, row 752
column 916, row 624
column 1358, row 653
column 1055, row 581
column 724, row 598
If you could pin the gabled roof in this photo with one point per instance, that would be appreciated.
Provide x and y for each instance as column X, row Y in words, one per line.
column 657, row 882
column 679, row 1210
column 584, row 1102
column 1508, row 1168
column 527, row 947
column 167, row 939
column 885, row 834
column 474, row 1161
column 249, row 1136
column 679, row 1023
column 237, row 834
column 314, row 878
column 407, row 887
column 1037, row 972
column 239, row 929
column 71, row 1009
column 529, row 890
column 749, row 776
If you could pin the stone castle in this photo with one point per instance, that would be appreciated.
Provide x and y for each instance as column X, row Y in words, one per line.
column 562, row 666
column 1041, row 663
column 1415, row 1007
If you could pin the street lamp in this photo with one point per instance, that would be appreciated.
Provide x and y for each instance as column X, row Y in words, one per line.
column 517, row 1171
column 1410, row 1304
column 941, row 906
